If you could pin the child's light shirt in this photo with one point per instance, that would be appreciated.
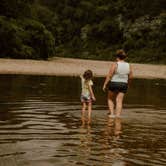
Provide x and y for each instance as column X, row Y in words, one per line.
column 85, row 87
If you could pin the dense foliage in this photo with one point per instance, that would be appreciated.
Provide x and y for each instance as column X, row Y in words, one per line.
column 93, row 29
column 22, row 35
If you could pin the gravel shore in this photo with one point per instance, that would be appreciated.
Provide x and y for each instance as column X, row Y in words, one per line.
column 74, row 67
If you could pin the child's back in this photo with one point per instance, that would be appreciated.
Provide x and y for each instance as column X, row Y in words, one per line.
column 87, row 95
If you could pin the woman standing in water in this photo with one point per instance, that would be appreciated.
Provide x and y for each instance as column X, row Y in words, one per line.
column 119, row 78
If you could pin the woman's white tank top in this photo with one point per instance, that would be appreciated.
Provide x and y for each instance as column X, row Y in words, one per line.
column 121, row 73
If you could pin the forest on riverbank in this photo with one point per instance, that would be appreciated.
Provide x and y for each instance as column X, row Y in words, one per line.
column 90, row 29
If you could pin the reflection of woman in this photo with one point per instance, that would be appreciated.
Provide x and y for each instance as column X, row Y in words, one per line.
column 119, row 78
column 114, row 127
column 118, row 127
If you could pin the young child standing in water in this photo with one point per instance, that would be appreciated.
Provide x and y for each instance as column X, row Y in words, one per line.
column 87, row 95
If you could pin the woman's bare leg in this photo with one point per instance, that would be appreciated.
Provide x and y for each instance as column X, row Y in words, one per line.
column 110, row 98
column 119, row 103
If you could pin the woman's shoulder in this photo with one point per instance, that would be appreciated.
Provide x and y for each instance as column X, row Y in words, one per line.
column 114, row 64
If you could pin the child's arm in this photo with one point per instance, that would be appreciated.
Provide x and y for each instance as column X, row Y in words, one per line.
column 109, row 75
column 91, row 92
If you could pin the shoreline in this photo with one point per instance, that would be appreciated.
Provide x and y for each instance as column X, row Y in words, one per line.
column 74, row 67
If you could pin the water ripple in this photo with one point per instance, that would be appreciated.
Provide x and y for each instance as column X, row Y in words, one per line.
column 46, row 129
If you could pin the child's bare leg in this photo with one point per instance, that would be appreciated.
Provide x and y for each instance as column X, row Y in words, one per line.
column 83, row 108
column 89, row 111
column 83, row 111
column 119, row 103
column 110, row 102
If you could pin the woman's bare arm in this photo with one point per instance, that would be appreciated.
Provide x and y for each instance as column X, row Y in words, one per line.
column 130, row 76
column 109, row 75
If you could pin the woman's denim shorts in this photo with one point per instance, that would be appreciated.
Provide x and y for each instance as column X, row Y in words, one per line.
column 118, row 87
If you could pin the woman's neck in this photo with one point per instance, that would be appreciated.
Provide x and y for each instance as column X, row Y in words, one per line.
column 119, row 60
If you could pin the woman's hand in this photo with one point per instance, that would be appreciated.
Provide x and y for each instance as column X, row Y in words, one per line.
column 104, row 88
column 109, row 75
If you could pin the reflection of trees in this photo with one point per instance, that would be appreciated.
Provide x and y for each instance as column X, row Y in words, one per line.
column 143, row 92
column 49, row 88
column 21, row 87
column 147, row 93
column 5, row 112
column 11, row 92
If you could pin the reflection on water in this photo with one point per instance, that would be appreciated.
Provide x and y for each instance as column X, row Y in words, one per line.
column 41, row 124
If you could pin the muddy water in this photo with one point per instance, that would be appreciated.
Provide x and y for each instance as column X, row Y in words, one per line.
column 40, row 124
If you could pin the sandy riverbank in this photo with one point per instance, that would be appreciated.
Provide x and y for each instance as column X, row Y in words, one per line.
column 74, row 67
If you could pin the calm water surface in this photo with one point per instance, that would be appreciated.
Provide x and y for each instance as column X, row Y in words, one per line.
column 40, row 124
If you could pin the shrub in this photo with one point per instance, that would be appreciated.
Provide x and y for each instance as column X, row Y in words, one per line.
column 25, row 39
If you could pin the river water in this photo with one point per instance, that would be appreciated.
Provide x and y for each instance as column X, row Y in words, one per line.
column 40, row 124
